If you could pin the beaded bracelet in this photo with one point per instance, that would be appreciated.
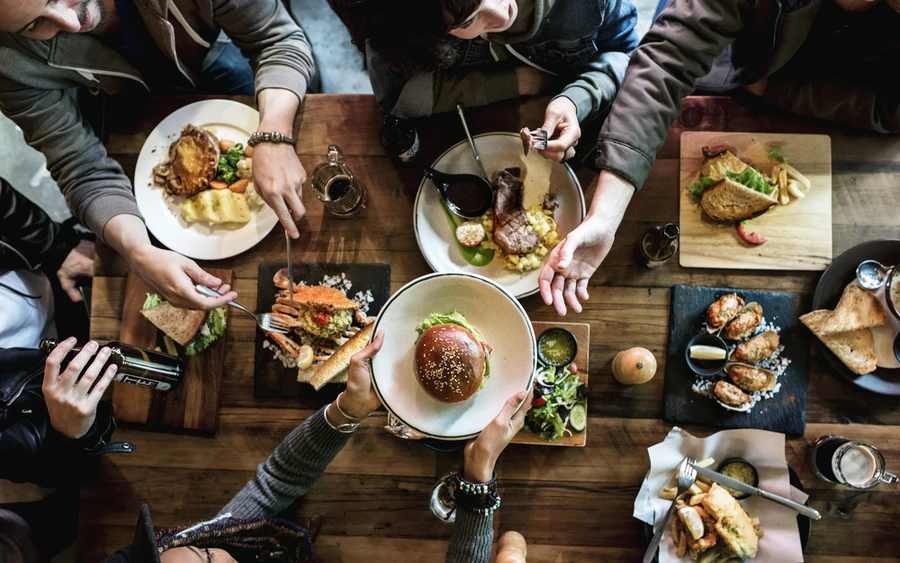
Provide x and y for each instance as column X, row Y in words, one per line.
column 481, row 498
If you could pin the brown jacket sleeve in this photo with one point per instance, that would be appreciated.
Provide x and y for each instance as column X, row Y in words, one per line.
column 679, row 48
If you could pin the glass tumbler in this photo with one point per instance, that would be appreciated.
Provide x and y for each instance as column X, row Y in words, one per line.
column 334, row 184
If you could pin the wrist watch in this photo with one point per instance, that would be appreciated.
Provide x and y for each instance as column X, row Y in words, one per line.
column 270, row 137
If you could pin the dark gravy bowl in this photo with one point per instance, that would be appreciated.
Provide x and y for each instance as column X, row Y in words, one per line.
column 466, row 195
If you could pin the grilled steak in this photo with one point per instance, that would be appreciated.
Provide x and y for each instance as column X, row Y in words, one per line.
column 193, row 161
column 511, row 231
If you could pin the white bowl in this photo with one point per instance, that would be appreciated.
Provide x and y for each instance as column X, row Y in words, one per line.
column 489, row 308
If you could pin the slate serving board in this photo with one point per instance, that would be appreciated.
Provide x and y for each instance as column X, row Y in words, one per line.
column 270, row 377
column 786, row 411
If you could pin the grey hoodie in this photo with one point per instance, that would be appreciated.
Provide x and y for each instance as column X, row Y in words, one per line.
column 39, row 80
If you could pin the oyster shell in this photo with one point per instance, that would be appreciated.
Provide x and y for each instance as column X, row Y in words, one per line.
column 731, row 397
column 744, row 323
column 756, row 349
column 723, row 310
column 751, row 378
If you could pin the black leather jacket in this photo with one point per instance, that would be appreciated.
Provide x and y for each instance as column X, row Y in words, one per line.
column 30, row 449
column 29, row 238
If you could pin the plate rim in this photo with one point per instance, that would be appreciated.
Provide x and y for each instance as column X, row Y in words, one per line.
column 425, row 278
column 421, row 190
column 217, row 253
column 818, row 299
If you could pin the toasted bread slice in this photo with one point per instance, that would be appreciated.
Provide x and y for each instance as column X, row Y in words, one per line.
column 716, row 167
column 318, row 296
column 731, row 201
column 181, row 325
column 340, row 360
column 857, row 309
column 194, row 160
column 855, row 348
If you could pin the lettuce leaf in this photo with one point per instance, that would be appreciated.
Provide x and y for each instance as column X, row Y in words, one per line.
column 152, row 301
column 775, row 154
column 696, row 189
column 215, row 327
column 753, row 180
column 453, row 318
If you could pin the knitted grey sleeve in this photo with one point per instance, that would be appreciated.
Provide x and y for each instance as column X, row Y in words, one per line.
column 472, row 536
column 290, row 471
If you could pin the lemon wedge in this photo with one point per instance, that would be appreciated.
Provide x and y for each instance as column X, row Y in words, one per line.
column 305, row 357
column 704, row 352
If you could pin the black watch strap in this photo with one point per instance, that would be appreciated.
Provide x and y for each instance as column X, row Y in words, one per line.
column 270, row 137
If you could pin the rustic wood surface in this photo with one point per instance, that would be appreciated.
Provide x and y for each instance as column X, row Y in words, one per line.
column 191, row 406
column 799, row 233
column 582, row 332
column 572, row 504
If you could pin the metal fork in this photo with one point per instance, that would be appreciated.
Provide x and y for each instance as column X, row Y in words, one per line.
column 686, row 477
column 266, row 321
column 540, row 137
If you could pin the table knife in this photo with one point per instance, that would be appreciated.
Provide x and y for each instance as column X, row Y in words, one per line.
column 745, row 488
column 290, row 261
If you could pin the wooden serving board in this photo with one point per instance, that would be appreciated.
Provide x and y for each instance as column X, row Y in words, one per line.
column 191, row 406
column 799, row 233
column 582, row 332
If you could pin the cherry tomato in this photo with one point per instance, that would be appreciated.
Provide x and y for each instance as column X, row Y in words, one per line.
column 321, row 318
column 539, row 402
column 573, row 368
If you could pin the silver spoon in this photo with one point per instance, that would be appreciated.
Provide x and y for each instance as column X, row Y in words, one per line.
column 871, row 274
column 462, row 117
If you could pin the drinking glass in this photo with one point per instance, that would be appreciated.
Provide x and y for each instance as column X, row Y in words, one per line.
column 850, row 463
column 443, row 503
column 334, row 184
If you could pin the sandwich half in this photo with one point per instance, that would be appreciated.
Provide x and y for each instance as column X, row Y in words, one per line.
column 195, row 330
column 729, row 200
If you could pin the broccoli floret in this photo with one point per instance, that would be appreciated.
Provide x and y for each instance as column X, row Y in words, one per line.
column 226, row 172
column 235, row 154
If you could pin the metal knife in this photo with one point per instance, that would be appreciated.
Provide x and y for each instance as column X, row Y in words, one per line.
column 290, row 261
column 745, row 488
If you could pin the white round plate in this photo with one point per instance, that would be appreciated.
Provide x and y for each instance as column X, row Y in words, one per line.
column 490, row 309
column 201, row 240
column 498, row 151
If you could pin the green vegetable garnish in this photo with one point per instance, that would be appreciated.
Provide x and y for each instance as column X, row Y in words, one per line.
column 564, row 404
column 235, row 154
column 226, row 172
column 775, row 154
column 753, row 180
column 152, row 301
column 474, row 255
column 696, row 189
column 215, row 322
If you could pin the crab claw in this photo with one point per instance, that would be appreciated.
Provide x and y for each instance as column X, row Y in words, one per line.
column 281, row 279
column 286, row 343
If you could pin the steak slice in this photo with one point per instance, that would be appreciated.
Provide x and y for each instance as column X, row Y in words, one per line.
column 511, row 230
column 193, row 162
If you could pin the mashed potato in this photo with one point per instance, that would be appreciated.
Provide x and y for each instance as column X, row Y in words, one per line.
column 541, row 221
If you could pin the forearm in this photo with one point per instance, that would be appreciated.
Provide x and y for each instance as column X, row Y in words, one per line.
column 277, row 110
column 611, row 199
column 127, row 234
column 473, row 534
column 290, row 471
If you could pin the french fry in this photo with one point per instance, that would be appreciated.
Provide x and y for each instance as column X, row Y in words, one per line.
column 782, row 179
column 775, row 170
column 692, row 553
column 676, row 533
column 682, row 545
column 696, row 499
column 695, row 490
column 668, row 493
column 795, row 174
column 680, row 503
column 710, row 555
column 776, row 192
column 702, row 485
column 706, row 462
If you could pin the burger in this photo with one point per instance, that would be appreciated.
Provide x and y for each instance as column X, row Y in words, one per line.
column 452, row 359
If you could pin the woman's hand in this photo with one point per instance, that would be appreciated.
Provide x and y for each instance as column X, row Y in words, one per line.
column 561, row 125
column 79, row 263
column 72, row 402
column 279, row 177
column 360, row 399
column 481, row 453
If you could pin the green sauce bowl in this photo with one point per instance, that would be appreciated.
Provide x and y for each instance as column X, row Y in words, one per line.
column 557, row 347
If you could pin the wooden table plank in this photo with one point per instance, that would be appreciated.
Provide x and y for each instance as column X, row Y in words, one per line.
column 372, row 500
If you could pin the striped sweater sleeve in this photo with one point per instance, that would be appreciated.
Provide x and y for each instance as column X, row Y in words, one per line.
column 472, row 537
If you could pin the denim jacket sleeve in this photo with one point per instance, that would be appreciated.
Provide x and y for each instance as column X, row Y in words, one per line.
column 679, row 48
column 595, row 87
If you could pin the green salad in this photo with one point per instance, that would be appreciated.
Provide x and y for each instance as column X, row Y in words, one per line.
column 558, row 406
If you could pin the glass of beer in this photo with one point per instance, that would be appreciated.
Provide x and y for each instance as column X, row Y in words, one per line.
column 334, row 184
column 853, row 464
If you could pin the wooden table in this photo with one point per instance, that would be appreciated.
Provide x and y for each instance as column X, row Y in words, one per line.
column 572, row 504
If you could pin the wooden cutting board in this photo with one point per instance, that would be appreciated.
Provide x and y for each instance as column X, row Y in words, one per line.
column 582, row 332
column 191, row 406
column 799, row 234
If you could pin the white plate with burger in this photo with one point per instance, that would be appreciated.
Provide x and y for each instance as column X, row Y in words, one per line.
column 456, row 347
column 540, row 177
column 164, row 212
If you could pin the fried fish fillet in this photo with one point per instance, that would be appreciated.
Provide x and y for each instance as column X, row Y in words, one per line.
column 732, row 524
column 193, row 162
column 319, row 297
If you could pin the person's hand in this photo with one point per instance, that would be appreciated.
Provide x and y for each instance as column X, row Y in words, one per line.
column 175, row 277
column 533, row 82
column 72, row 402
column 564, row 278
column 360, row 399
column 758, row 88
column 279, row 177
column 561, row 125
column 78, row 264
column 481, row 453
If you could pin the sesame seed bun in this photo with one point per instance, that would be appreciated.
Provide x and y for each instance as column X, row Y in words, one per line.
column 449, row 363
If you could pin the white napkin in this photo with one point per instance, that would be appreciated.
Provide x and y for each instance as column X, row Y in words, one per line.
column 781, row 539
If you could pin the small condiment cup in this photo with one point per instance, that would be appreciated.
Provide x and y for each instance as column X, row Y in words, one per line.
column 564, row 333
column 755, row 483
column 891, row 286
column 706, row 368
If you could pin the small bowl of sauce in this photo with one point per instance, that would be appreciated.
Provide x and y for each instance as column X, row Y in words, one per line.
column 741, row 470
column 557, row 347
column 466, row 195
